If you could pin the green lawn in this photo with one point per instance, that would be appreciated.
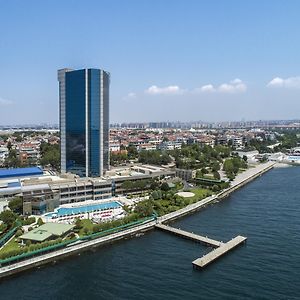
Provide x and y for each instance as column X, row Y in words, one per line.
column 199, row 194
column 86, row 223
column 11, row 245
column 164, row 206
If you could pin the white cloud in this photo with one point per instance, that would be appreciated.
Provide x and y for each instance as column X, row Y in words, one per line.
column 207, row 88
column 168, row 90
column 234, row 86
column 4, row 102
column 130, row 96
column 290, row 82
column 236, row 81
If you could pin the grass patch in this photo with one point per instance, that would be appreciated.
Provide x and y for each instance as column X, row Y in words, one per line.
column 11, row 245
column 199, row 194
column 164, row 206
column 88, row 224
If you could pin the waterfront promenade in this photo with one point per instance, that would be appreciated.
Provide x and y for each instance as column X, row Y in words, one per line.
column 240, row 180
column 71, row 250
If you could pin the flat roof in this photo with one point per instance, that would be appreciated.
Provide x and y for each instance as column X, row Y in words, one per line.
column 20, row 172
column 47, row 230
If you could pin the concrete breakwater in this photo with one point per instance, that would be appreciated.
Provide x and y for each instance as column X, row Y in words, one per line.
column 75, row 248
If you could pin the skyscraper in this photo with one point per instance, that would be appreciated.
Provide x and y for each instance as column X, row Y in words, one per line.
column 84, row 121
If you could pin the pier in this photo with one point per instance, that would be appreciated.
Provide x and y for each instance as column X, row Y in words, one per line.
column 220, row 247
column 216, row 253
column 189, row 235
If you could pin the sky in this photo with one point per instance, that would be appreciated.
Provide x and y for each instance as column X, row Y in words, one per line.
column 169, row 60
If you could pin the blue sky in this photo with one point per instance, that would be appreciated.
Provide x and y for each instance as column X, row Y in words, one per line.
column 168, row 59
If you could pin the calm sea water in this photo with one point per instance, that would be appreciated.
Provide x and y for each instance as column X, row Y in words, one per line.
column 158, row 265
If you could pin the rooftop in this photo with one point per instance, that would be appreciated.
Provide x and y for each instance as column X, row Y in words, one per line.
column 47, row 230
column 20, row 172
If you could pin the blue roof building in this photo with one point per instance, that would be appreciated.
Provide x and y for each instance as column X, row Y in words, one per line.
column 20, row 172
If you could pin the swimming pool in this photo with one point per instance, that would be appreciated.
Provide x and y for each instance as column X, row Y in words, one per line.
column 63, row 211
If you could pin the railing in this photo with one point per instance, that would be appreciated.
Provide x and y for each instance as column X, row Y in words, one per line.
column 70, row 242
column 9, row 234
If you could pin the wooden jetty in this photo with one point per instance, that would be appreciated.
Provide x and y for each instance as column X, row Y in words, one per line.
column 220, row 247
column 216, row 253
column 190, row 235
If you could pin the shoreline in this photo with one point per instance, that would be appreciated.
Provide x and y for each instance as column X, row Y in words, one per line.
column 240, row 180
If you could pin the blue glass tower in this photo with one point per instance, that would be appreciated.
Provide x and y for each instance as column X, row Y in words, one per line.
column 84, row 121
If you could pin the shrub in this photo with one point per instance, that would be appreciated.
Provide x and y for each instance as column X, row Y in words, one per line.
column 28, row 221
column 19, row 232
column 215, row 188
column 40, row 222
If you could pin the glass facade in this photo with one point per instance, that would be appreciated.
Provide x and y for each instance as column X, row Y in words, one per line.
column 75, row 123
column 106, row 82
column 86, row 101
column 94, row 121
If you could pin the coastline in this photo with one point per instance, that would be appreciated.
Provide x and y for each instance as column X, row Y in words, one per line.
column 239, row 181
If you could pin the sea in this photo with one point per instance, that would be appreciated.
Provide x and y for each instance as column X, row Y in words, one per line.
column 158, row 265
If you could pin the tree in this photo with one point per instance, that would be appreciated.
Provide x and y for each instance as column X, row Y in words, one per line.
column 40, row 222
column 216, row 175
column 18, row 138
column 132, row 152
column 228, row 166
column 155, row 195
column 78, row 223
column 155, row 157
column 215, row 188
column 165, row 187
column 12, row 160
column 19, row 232
column 9, row 146
column 117, row 158
column 204, row 171
column 154, row 185
column 215, row 167
column 16, row 205
column 144, row 208
column 50, row 155
column 126, row 185
column 8, row 217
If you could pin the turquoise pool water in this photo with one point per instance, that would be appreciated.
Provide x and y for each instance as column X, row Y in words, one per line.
column 63, row 211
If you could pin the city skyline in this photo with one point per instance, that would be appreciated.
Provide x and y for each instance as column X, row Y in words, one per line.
column 234, row 61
